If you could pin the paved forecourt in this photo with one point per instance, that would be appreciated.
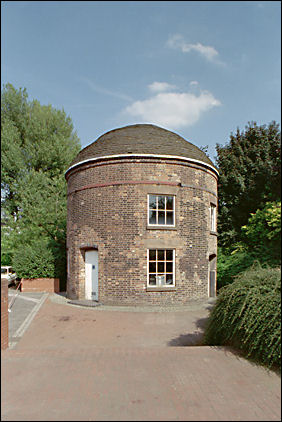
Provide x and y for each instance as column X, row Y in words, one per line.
column 77, row 363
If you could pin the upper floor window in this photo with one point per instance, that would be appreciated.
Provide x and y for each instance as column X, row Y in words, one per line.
column 161, row 210
column 213, row 217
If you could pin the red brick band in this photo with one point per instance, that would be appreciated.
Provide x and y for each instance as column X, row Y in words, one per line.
column 125, row 182
column 136, row 182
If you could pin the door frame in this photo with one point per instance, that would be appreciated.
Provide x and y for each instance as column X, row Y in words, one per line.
column 212, row 268
column 85, row 277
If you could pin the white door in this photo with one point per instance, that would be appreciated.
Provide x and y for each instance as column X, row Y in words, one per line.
column 91, row 275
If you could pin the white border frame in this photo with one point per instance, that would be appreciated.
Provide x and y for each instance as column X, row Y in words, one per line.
column 175, row 157
column 213, row 211
column 148, row 211
column 169, row 286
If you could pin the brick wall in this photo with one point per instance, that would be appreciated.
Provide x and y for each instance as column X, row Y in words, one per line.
column 49, row 285
column 4, row 314
column 107, row 207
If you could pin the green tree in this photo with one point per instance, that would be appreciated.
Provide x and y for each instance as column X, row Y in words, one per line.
column 249, row 176
column 38, row 144
column 262, row 233
column 34, row 137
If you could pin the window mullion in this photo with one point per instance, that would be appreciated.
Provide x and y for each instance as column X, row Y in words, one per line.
column 157, row 210
column 157, row 278
column 165, row 208
column 173, row 211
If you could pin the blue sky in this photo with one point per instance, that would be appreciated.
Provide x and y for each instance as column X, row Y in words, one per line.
column 200, row 69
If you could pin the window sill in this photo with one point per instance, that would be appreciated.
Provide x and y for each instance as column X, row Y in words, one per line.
column 160, row 289
column 214, row 233
column 161, row 228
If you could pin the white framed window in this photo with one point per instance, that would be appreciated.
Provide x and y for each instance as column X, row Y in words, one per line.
column 161, row 210
column 213, row 217
column 161, row 268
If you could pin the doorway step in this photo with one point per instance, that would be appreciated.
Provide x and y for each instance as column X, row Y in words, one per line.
column 84, row 302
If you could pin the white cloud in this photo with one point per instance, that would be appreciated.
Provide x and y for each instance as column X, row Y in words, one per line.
column 161, row 87
column 208, row 52
column 194, row 83
column 171, row 109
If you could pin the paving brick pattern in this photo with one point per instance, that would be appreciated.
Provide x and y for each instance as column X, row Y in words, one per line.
column 88, row 364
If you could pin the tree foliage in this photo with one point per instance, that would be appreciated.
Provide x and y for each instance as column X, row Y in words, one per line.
column 249, row 176
column 229, row 265
column 262, row 233
column 38, row 144
column 35, row 138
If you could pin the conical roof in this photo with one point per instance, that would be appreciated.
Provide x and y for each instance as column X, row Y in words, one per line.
column 141, row 139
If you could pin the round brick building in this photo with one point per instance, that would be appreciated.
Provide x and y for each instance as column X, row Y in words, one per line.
column 141, row 225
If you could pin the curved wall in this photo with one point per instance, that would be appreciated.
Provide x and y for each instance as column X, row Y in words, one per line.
column 107, row 210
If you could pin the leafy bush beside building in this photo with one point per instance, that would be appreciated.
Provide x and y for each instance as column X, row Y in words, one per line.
column 247, row 315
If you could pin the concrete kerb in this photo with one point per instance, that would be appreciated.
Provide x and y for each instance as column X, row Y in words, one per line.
column 193, row 305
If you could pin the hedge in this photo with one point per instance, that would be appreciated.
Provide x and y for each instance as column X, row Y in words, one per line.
column 229, row 266
column 247, row 315
column 34, row 260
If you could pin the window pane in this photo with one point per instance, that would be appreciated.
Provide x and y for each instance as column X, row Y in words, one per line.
column 161, row 217
column 169, row 217
column 169, row 279
column 152, row 217
column 160, row 255
column 161, row 202
column 161, row 279
column 152, row 255
column 169, row 202
column 152, row 267
column 169, row 267
column 213, row 214
column 152, row 280
column 152, row 201
column 169, row 254
column 161, row 267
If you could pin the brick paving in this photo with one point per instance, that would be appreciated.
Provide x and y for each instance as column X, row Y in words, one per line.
column 92, row 364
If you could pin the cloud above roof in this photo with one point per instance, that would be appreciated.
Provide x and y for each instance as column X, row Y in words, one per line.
column 172, row 109
column 160, row 87
column 177, row 42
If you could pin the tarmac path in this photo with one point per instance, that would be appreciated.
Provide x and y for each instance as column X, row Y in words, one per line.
column 116, row 364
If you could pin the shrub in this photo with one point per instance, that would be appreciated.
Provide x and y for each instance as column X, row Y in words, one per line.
column 230, row 265
column 6, row 259
column 247, row 315
column 34, row 260
column 6, row 244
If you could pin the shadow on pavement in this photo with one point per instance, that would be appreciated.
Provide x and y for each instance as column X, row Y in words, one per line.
column 191, row 339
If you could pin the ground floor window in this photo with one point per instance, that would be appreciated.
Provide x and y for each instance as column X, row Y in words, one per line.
column 161, row 267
